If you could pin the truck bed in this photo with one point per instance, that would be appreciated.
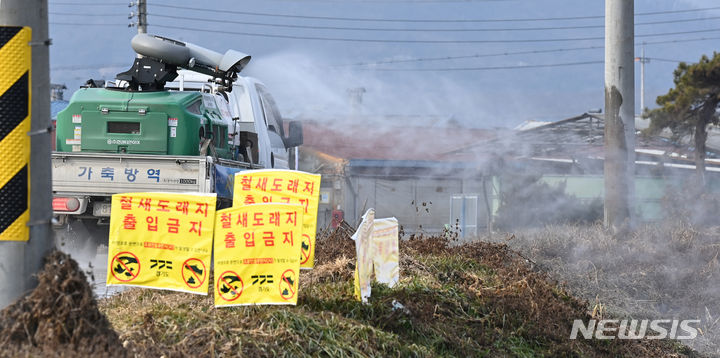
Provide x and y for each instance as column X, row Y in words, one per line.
column 101, row 174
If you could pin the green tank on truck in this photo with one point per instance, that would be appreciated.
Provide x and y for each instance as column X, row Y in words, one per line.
column 105, row 120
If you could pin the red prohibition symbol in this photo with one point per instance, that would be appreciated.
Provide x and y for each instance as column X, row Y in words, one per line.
column 196, row 272
column 305, row 249
column 287, row 282
column 125, row 266
column 230, row 286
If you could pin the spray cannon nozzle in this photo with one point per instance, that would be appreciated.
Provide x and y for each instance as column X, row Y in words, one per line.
column 170, row 54
column 183, row 53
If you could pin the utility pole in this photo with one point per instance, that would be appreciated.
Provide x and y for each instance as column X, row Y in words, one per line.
column 619, row 113
column 643, row 60
column 141, row 16
column 19, row 259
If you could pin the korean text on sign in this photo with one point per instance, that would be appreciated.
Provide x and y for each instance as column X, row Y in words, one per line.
column 284, row 186
column 161, row 240
column 110, row 174
column 257, row 254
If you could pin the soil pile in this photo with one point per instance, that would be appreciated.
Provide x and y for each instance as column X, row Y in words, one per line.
column 58, row 318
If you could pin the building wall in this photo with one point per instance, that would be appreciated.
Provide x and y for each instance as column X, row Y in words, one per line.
column 421, row 205
column 435, row 195
column 426, row 205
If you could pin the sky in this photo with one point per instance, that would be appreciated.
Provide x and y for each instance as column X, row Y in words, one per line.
column 481, row 63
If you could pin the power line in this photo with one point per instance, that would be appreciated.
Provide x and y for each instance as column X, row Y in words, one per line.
column 295, row 37
column 311, row 17
column 485, row 68
column 676, row 21
column 677, row 11
column 86, row 24
column 370, row 28
column 444, row 58
column 89, row 3
column 429, row 59
column 678, row 33
column 392, row 1
column 665, row 60
column 77, row 14
column 492, row 68
column 345, row 28
column 679, row 41
column 387, row 29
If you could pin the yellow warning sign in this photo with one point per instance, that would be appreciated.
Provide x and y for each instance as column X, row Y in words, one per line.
column 15, row 99
column 284, row 186
column 257, row 254
column 161, row 240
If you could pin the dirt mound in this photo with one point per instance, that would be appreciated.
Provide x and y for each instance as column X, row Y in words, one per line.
column 58, row 318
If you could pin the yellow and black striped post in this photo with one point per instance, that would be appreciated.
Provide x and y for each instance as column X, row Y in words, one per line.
column 15, row 59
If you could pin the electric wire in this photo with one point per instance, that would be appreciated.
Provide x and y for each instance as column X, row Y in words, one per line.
column 311, row 17
column 345, row 28
column 341, row 39
column 430, row 59
column 435, row 41
column 89, row 3
column 489, row 68
column 665, row 60
column 83, row 15
column 498, row 54
column 677, row 41
column 391, row 1
column 86, row 24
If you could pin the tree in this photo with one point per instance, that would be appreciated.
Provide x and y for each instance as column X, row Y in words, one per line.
column 691, row 106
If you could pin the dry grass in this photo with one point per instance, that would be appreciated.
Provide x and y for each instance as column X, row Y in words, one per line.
column 662, row 271
column 478, row 299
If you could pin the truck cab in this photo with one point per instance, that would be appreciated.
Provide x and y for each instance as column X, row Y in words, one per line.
column 252, row 110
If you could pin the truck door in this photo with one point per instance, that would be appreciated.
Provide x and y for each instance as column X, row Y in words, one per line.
column 273, row 120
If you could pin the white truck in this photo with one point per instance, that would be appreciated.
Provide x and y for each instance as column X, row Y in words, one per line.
column 162, row 129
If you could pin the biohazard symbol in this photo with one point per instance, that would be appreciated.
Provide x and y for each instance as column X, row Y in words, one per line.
column 229, row 286
column 305, row 249
column 194, row 272
column 287, row 285
column 125, row 266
